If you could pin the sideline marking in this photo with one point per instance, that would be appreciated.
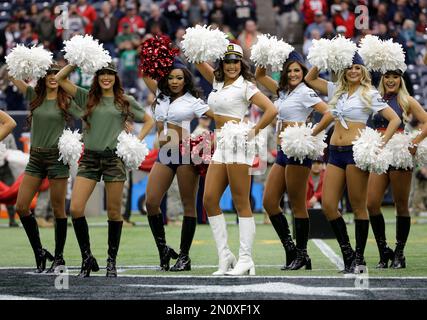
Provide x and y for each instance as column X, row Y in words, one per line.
column 329, row 253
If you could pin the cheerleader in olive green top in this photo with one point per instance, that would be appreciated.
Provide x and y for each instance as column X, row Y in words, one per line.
column 106, row 109
column 50, row 110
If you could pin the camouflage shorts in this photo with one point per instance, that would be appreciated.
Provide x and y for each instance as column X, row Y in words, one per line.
column 44, row 163
column 106, row 164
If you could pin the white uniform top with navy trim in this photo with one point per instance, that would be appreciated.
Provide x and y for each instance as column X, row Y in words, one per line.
column 296, row 105
column 232, row 100
column 352, row 108
column 179, row 112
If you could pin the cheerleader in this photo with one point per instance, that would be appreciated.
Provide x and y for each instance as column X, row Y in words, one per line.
column 393, row 89
column 51, row 109
column 106, row 109
column 296, row 102
column 352, row 99
column 177, row 103
column 7, row 125
column 233, row 91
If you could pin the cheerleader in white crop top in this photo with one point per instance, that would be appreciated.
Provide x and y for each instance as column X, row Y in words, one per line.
column 177, row 103
column 233, row 92
column 296, row 102
column 352, row 100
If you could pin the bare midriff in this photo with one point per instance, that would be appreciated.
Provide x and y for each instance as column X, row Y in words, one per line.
column 174, row 136
column 345, row 137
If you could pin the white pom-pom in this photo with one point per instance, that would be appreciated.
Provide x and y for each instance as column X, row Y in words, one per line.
column 297, row 142
column 341, row 52
column 318, row 53
column 70, row 147
column 372, row 52
column 25, row 63
column 234, row 136
column 131, row 150
column 319, row 145
column 270, row 51
column 204, row 44
column 366, row 150
column 393, row 57
column 86, row 53
column 421, row 154
column 398, row 146
column 382, row 162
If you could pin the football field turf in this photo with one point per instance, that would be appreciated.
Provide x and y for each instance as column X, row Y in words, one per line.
column 139, row 278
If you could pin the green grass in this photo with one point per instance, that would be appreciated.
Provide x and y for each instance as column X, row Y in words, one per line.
column 138, row 248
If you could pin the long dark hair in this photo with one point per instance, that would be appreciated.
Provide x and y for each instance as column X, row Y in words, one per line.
column 245, row 71
column 189, row 87
column 283, row 82
column 62, row 100
column 95, row 95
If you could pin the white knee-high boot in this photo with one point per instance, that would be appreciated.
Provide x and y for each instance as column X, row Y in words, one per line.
column 245, row 265
column 226, row 258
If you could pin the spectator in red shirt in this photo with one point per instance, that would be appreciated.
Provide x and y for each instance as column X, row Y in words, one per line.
column 136, row 23
column 309, row 7
column 345, row 18
column 88, row 13
column 315, row 183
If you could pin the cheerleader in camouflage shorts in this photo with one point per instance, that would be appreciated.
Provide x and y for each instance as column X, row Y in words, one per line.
column 50, row 110
column 106, row 109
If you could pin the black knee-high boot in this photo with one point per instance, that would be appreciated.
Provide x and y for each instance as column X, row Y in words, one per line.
column 281, row 226
column 403, row 225
column 362, row 230
column 378, row 227
column 89, row 262
column 340, row 229
column 187, row 234
column 114, row 235
column 32, row 230
column 158, row 231
column 60, row 237
column 302, row 228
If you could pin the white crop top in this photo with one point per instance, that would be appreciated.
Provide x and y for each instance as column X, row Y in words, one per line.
column 181, row 111
column 232, row 100
column 296, row 105
column 352, row 108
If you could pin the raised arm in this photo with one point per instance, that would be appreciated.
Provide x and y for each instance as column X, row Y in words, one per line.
column 206, row 71
column 7, row 124
column 270, row 111
column 210, row 114
column 150, row 83
column 312, row 79
column 393, row 122
column 266, row 81
column 64, row 82
column 146, row 128
column 327, row 117
column 21, row 85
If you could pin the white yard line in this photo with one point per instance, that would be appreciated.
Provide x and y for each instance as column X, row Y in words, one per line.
column 329, row 253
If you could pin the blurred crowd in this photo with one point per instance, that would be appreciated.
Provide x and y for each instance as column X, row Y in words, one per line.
column 121, row 26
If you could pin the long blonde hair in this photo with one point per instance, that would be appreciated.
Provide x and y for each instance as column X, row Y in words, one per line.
column 402, row 96
column 342, row 82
